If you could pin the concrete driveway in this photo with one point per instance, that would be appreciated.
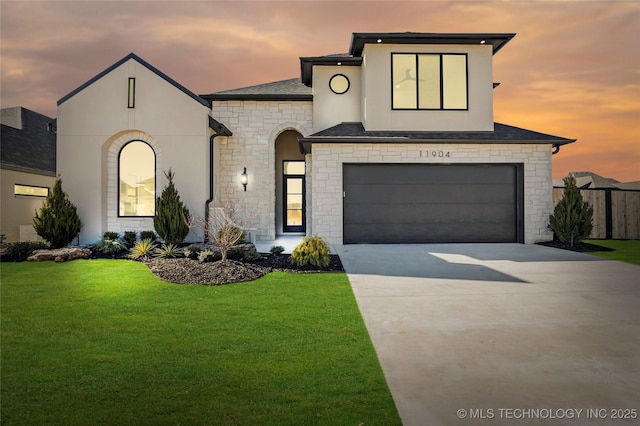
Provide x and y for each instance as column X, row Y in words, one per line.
column 508, row 334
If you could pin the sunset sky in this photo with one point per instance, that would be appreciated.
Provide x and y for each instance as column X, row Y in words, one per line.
column 573, row 70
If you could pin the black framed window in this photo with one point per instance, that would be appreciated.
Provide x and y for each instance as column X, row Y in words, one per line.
column 294, row 196
column 137, row 180
column 430, row 81
column 30, row 190
column 131, row 94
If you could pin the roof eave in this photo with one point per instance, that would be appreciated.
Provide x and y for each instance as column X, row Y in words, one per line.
column 31, row 170
column 305, row 143
column 496, row 40
column 257, row 97
column 307, row 63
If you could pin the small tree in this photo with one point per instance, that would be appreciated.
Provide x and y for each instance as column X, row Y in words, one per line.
column 224, row 225
column 572, row 218
column 57, row 222
column 172, row 215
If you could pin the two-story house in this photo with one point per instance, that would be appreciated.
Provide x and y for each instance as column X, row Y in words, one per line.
column 392, row 142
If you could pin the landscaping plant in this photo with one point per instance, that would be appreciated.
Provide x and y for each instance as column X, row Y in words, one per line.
column 57, row 222
column 172, row 215
column 148, row 235
column 109, row 235
column 19, row 251
column 276, row 249
column 223, row 226
column 192, row 252
column 142, row 249
column 311, row 251
column 129, row 238
column 166, row 251
column 252, row 255
column 110, row 244
column 207, row 256
column 572, row 218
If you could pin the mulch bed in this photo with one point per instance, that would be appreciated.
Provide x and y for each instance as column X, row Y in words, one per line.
column 188, row 271
column 580, row 247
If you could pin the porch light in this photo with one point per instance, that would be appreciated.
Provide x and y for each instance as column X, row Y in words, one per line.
column 244, row 178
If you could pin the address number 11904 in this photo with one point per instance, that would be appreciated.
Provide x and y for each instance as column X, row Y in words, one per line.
column 435, row 154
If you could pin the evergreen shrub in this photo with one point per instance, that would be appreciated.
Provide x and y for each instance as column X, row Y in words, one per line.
column 172, row 215
column 57, row 222
column 572, row 218
column 311, row 251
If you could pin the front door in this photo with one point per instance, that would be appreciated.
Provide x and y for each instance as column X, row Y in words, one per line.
column 294, row 195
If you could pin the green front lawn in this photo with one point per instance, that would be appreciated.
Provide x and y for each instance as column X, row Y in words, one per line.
column 106, row 342
column 624, row 250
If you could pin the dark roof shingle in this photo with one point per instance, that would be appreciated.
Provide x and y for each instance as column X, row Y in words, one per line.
column 356, row 133
column 291, row 89
column 31, row 149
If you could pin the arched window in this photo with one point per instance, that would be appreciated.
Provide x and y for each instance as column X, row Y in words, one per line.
column 137, row 180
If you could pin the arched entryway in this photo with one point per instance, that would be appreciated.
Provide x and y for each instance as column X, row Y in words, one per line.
column 290, row 184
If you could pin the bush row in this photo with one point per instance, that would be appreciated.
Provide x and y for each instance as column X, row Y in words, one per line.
column 311, row 251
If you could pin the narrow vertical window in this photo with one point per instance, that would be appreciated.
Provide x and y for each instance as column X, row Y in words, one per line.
column 454, row 82
column 429, row 89
column 132, row 93
column 137, row 180
column 405, row 85
column 294, row 195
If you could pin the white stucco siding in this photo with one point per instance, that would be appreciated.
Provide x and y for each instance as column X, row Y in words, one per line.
column 255, row 126
column 331, row 108
column 376, row 91
column 327, row 180
column 96, row 118
column 18, row 211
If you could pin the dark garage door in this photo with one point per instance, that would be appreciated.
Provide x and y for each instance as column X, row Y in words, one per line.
column 424, row 203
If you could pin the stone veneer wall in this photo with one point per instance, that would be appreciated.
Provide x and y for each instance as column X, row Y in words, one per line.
column 328, row 159
column 255, row 126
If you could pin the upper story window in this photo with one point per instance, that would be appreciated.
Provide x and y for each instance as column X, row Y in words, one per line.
column 429, row 81
column 137, row 180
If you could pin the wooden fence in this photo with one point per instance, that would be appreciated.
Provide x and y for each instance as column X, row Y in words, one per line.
column 616, row 212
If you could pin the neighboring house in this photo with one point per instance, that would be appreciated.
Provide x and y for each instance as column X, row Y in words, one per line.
column 28, row 169
column 391, row 142
column 590, row 180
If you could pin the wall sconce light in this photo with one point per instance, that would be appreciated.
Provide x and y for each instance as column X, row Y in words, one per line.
column 244, row 178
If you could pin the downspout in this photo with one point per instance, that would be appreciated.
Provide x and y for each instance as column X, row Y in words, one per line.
column 219, row 129
column 211, row 183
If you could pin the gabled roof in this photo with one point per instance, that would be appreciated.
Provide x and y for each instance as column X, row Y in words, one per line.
column 146, row 65
column 502, row 134
column 30, row 149
column 290, row 90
